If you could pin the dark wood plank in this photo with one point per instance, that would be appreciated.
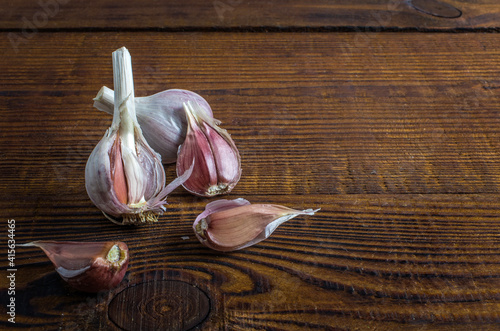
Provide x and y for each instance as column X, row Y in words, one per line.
column 320, row 113
column 364, row 261
column 357, row 14
column 394, row 136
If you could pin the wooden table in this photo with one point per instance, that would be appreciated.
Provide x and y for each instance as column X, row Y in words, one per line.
column 383, row 113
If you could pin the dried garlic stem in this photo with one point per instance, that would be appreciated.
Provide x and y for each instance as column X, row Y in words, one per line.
column 124, row 107
column 125, row 111
column 104, row 100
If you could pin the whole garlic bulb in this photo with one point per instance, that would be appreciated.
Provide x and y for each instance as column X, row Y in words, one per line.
column 124, row 176
column 161, row 117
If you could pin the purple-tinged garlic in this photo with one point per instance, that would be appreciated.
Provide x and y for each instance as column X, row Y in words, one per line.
column 228, row 225
column 217, row 165
column 124, row 176
column 87, row 266
column 161, row 117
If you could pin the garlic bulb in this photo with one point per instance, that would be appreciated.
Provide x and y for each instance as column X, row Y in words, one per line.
column 87, row 266
column 161, row 117
column 228, row 225
column 124, row 177
column 217, row 165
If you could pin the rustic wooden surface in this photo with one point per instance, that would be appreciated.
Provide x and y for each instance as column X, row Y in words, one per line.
column 394, row 134
column 195, row 14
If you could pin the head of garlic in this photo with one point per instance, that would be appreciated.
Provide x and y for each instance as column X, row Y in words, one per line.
column 161, row 117
column 228, row 225
column 217, row 163
column 124, row 176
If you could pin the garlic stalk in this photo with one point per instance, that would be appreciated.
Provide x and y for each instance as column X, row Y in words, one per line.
column 228, row 225
column 124, row 176
column 161, row 117
column 87, row 266
column 217, row 164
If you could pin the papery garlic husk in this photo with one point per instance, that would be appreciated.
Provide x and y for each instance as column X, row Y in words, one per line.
column 161, row 117
column 124, row 176
column 217, row 164
column 87, row 266
column 228, row 225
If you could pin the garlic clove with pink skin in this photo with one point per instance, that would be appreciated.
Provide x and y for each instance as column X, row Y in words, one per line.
column 228, row 225
column 161, row 117
column 87, row 266
column 217, row 163
column 124, row 176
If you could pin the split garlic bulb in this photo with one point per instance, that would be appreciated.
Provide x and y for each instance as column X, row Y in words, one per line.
column 124, row 176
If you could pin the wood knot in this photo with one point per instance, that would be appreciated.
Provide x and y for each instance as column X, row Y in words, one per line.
column 159, row 305
column 436, row 8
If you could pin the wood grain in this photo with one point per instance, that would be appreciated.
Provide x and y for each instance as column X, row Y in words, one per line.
column 359, row 15
column 364, row 261
column 393, row 135
column 311, row 113
column 165, row 305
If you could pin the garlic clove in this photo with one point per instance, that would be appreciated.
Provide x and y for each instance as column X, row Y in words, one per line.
column 217, row 167
column 228, row 225
column 161, row 117
column 227, row 158
column 124, row 176
column 87, row 266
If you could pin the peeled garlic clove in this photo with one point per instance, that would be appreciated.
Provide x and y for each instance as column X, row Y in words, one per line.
column 228, row 225
column 87, row 266
column 217, row 164
column 124, row 177
column 161, row 117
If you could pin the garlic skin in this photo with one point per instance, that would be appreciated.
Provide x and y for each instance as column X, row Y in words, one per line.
column 217, row 162
column 161, row 117
column 87, row 266
column 228, row 225
column 124, row 176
